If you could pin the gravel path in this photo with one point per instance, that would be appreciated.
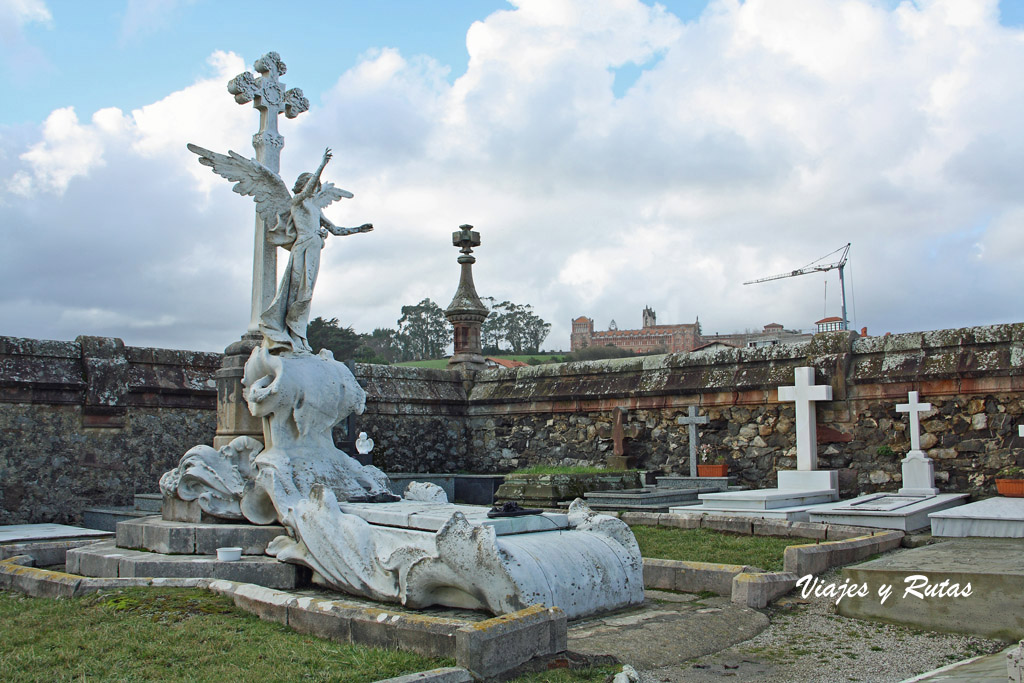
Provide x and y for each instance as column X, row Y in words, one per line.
column 807, row 642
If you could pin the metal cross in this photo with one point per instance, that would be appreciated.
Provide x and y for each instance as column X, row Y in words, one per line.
column 269, row 97
column 914, row 408
column 805, row 393
column 692, row 419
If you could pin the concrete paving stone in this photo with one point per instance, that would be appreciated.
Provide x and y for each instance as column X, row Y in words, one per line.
column 321, row 618
column 129, row 534
column 266, row 603
column 641, row 518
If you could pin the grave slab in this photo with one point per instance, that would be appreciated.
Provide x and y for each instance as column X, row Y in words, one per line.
column 998, row 517
column 702, row 484
column 17, row 533
column 426, row 516
column 991, row 566
column 887, row 511
column 646, row 499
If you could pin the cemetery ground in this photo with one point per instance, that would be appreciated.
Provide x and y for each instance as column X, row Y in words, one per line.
column 150, row 633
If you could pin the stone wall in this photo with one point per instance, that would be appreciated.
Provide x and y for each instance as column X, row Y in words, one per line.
column 91, row 422
column 561, row 414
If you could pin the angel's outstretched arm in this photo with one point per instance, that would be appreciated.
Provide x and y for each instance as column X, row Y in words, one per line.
column 314, row 180
column 341, row 232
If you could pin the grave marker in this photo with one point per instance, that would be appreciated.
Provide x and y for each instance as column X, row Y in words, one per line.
column 805, row 393
column 691, row 419
column 918, row 469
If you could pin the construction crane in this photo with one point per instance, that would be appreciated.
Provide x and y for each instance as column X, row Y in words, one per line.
column 816, row 267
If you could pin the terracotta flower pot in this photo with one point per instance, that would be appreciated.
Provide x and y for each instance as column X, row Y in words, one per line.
column 712, row 470
column 1014, row 488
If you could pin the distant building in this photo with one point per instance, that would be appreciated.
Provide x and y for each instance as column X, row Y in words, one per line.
column 504, row 363
column 830, row 324
column 651, row 337
column 683, row 338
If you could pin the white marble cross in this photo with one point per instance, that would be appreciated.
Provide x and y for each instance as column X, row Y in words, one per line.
column 914, row 408
column 692, row 420
column 269, row 97
column 805, row 393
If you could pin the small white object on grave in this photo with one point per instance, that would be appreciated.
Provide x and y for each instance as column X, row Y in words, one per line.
column 805, row 393
column 364, row 444
column 918, row 469
column 1020, row 430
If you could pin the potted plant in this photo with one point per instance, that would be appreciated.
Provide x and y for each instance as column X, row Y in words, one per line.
column 1010, row 482
column 711, row 464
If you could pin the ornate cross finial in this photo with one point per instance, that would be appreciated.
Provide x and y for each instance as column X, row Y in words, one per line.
column 270, row 99
column 466, row 238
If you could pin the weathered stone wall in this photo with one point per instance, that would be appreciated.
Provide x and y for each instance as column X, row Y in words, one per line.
column 561, row 414
column 91, row 421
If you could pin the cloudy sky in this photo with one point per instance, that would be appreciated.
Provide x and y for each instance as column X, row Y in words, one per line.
column 612, row 153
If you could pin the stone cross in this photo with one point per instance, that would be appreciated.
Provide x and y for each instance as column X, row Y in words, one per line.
column 914, row 408
column 618, row 434
column 692, row 420
column 268, row 96
column 805, row 393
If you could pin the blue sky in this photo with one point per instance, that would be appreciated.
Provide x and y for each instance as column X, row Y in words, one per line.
column 613, row 154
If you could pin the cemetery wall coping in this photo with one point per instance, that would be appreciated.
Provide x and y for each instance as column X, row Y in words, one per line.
column 104, row 375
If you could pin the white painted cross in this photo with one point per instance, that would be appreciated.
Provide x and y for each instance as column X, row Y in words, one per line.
column 914, row 408
column 692, row 419
column 270, row 99
column 805, row 393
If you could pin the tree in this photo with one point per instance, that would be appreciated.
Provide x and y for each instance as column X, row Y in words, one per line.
column 515, row 325
column 423, row 331
column 382, row 346
column 329, row 334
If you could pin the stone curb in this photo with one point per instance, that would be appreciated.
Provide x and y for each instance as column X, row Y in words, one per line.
column 17, row 573
column 450, row 674
column 817, row 558
column 836, row 545
column 486, row 649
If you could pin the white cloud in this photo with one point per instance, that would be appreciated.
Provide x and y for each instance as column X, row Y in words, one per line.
column 756, row 139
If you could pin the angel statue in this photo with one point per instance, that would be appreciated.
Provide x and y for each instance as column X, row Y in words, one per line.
column 296, row 223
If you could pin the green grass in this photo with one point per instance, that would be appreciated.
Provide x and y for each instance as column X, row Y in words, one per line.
column 703, row 545
column 149, row 634
column 439, row 364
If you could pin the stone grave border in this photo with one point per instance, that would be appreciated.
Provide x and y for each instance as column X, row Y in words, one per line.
column 834, row 545
column 485, row 649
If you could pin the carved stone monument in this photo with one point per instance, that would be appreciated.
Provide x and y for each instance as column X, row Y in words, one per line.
column 918, row 469
column 339, row 517
column 466, row 312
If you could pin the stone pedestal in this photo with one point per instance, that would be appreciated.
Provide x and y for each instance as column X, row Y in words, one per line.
column 233, row 416
column 918, row 475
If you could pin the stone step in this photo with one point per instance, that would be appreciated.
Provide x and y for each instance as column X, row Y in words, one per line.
column 106, row 560
column 107, row 518
column 149, row 502
column 639, row 508
column 190, row 538
column 703, row 484
column 767, row 499
column 645, row 497
column 998, row 517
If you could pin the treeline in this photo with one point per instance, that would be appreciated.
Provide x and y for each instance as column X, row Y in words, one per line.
column 424, row 333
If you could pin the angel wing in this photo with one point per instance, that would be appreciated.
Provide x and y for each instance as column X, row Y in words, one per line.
column 251, row 179
column 329, row 194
